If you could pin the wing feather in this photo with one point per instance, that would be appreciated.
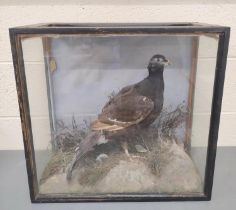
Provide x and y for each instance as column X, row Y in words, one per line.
column 123, row 110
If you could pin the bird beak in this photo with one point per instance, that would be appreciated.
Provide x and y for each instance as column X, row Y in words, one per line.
column 167, row 63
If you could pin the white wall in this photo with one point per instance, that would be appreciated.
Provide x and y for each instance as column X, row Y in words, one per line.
column 30, row 12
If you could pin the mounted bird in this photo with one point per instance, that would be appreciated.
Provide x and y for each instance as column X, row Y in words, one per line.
column 134, row 107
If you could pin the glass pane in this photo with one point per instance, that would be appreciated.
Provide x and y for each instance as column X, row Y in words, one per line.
column 120, row 113
column 207, row 51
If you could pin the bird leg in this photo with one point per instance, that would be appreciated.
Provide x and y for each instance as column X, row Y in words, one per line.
column 124, row 146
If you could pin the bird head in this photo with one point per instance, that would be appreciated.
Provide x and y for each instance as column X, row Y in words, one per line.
column 157, row 63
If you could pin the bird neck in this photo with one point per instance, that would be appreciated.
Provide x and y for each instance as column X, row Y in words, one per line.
column 157, row 73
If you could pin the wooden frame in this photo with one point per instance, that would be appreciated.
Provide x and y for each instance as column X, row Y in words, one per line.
column 16, row 34
column 195, row 45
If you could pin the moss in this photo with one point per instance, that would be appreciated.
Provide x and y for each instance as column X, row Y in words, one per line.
column 158, row 157
column 57, row 164
column 93, row 173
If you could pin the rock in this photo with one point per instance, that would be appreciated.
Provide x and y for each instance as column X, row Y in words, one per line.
column 101, row 157
column 140, row 148
column 178, row 175
column 128, row 176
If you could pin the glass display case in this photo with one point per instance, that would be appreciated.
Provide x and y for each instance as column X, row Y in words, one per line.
column 120, row 112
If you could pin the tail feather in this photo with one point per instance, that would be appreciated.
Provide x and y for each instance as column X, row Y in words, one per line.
column 85, row 146
column 72, row 165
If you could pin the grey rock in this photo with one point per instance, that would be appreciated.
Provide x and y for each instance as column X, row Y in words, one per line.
column 178, row 175
column 101, row 157
column 140, row 148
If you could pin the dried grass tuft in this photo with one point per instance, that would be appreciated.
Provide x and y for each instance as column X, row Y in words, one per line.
column 67, row 138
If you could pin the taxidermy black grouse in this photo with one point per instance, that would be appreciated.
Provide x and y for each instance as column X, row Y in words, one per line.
column 135, row 106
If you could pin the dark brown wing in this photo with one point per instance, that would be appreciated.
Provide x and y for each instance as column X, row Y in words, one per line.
column 123, row 110
column 124, row 91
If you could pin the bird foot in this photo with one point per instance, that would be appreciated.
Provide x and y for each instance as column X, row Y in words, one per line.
column 130, row 157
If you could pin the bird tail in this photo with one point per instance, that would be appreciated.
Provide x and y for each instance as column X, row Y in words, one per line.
column 85, row 146
column 72, row 165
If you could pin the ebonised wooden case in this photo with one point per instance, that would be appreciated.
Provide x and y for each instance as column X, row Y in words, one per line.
column 83, row 37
